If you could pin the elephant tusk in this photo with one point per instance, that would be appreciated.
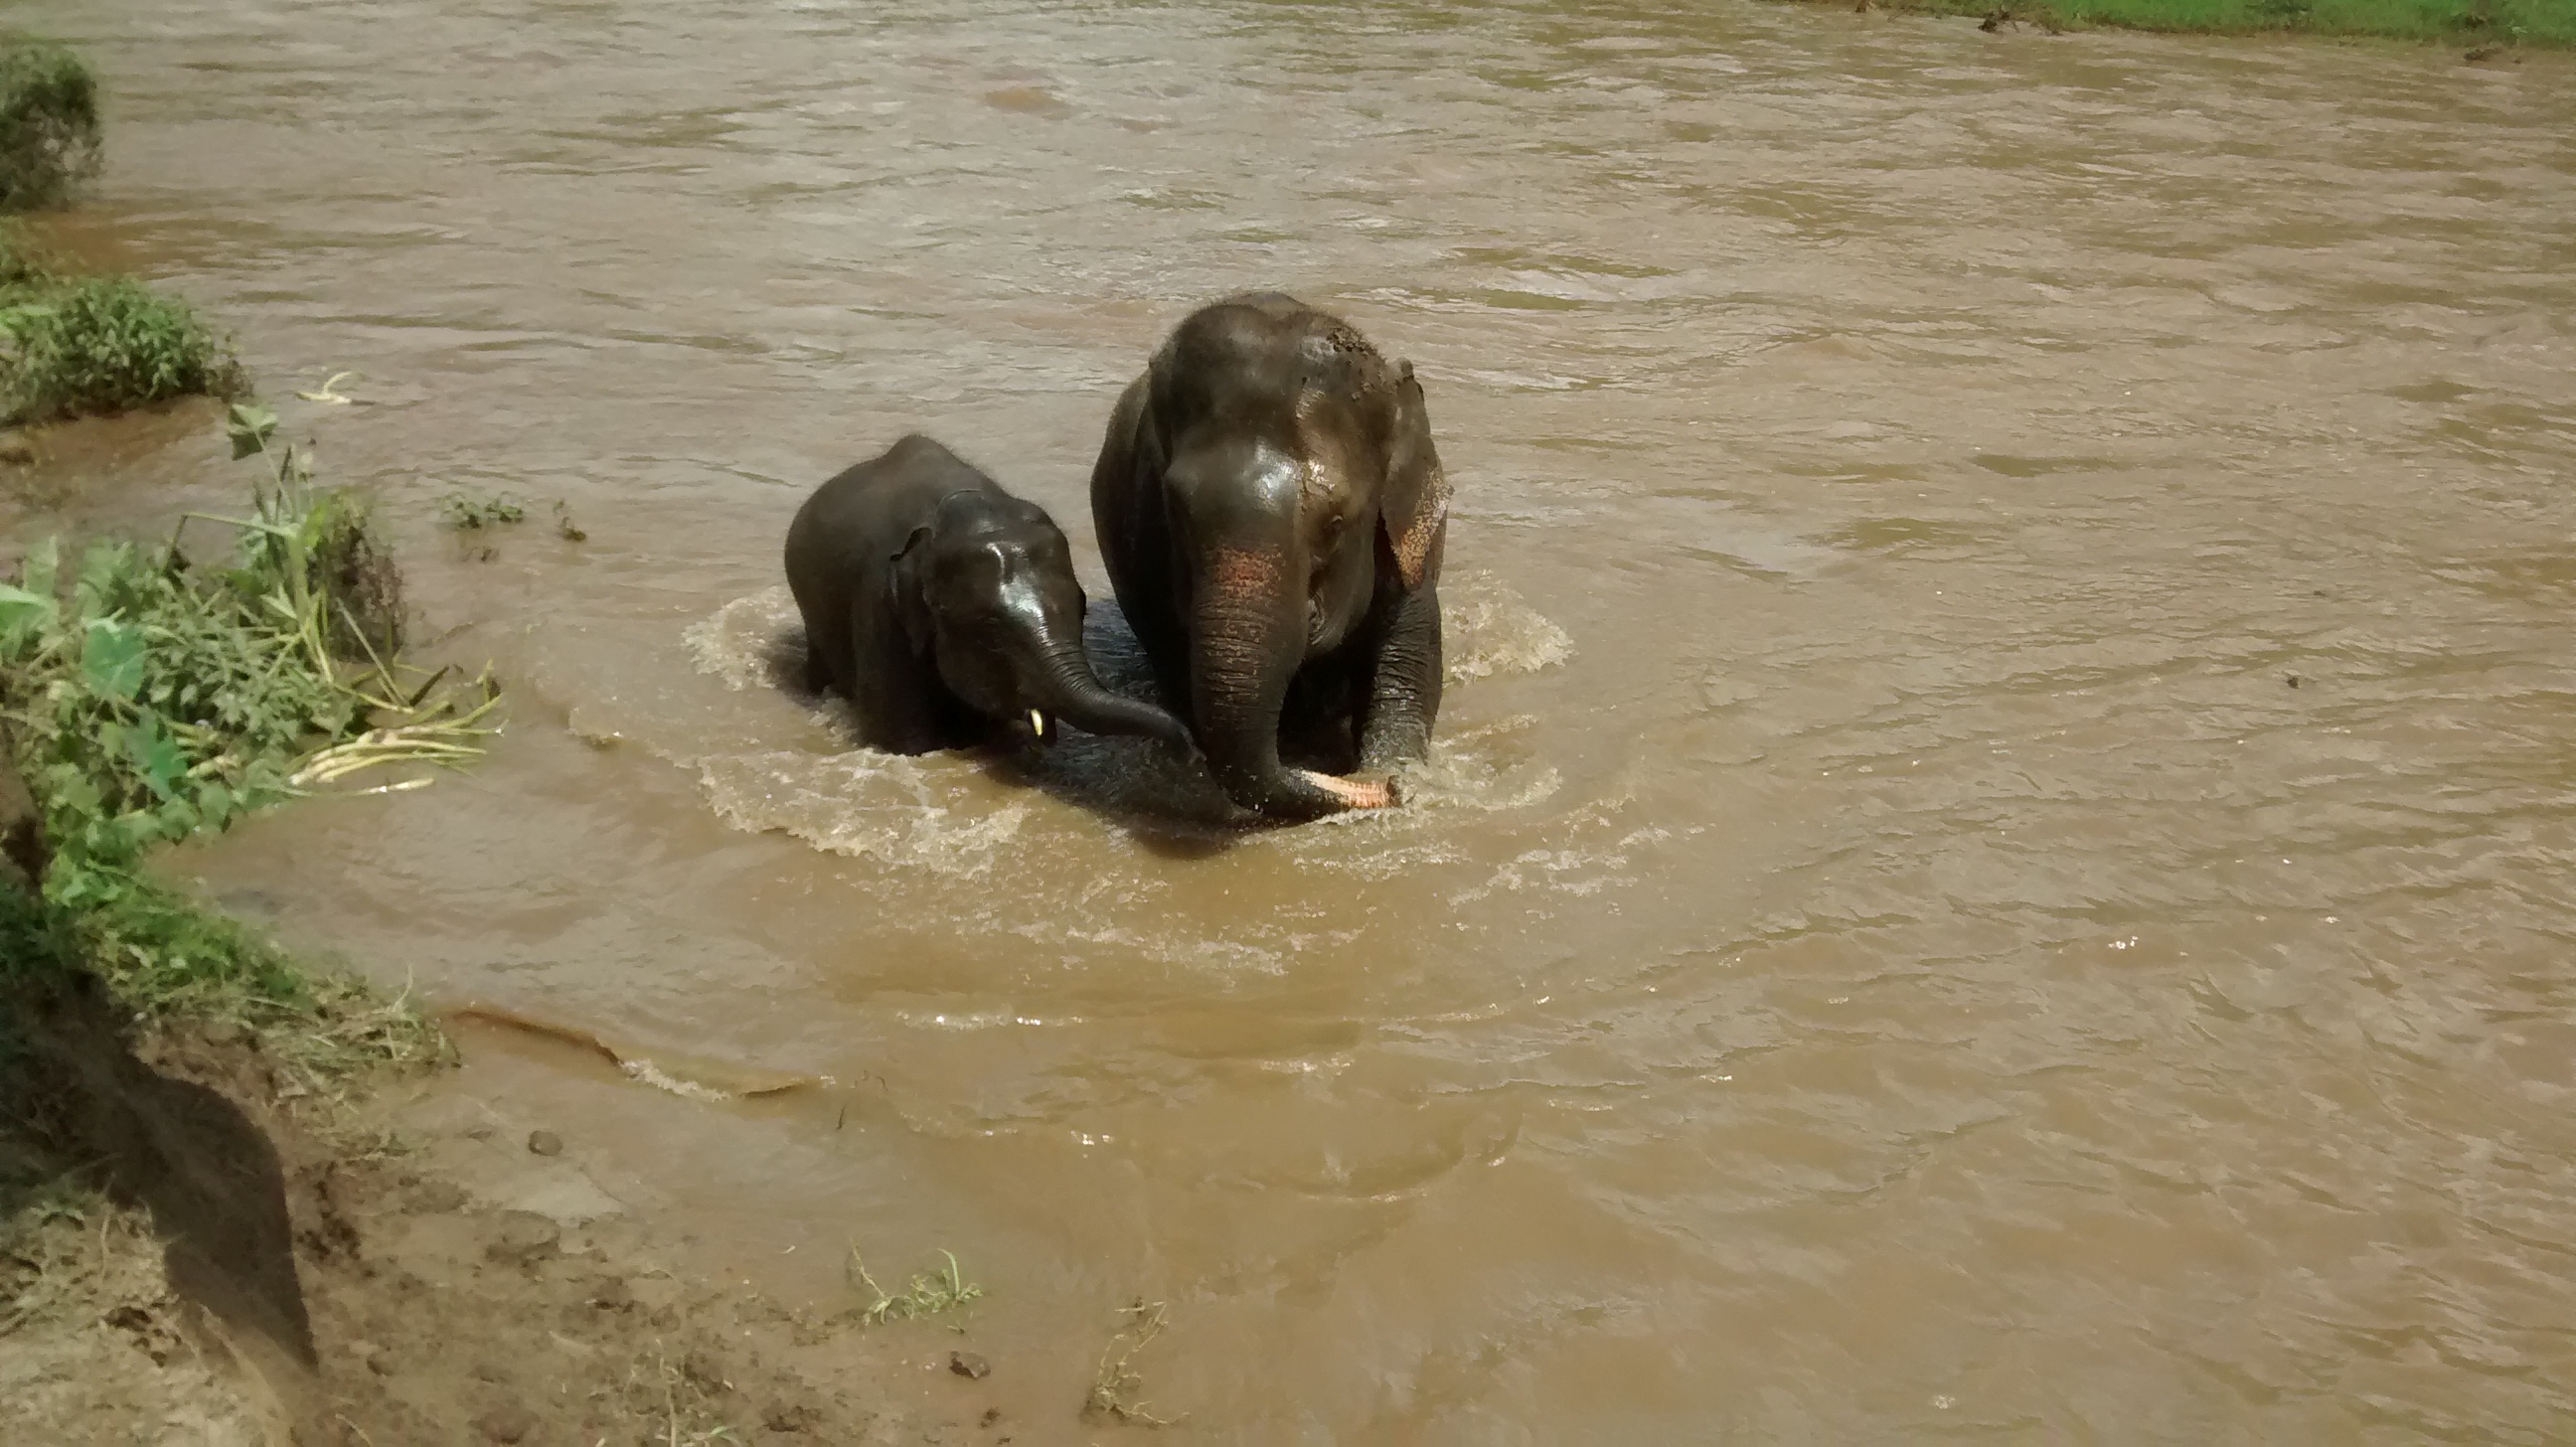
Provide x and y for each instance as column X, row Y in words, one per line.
column 1353, row 793
column 1038, row 724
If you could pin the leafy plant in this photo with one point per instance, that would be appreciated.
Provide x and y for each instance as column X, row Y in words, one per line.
column 74, row 346
column 49, row 131
column 152, row 699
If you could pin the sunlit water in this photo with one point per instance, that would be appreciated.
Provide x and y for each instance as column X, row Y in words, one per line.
column 1998, row 858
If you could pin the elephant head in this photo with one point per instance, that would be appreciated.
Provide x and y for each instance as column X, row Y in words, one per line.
column 988, row 595
column 1284, row 470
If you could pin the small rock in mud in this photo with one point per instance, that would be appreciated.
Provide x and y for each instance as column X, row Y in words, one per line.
column 16, row 450
column 545, row 1143
column 991, row 1416
column 612, row 1294
column 523, row 1238
column 506, row 1424
column 967, row 1364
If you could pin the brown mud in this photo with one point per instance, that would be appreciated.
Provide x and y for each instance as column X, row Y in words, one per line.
column 411, row 1271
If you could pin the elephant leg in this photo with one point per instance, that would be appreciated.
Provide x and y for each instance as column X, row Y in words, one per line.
column 896, row 693
column 1404, row 688
column 1318, row 719
column 818, row 671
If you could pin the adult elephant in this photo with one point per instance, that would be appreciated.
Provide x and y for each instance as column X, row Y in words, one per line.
column 1272, row 512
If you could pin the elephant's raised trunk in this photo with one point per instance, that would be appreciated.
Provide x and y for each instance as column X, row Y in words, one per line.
column 1247, row 636
column 1073, row 693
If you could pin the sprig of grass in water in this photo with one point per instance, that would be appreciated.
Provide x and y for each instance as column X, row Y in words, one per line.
column 467, row 514
column 927, row 1296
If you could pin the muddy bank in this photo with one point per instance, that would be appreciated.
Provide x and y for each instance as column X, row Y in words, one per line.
column 187, row 1256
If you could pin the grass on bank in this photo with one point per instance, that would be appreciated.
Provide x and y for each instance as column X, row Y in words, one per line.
column 2464, row 22
column 49, row 131
column 73, row 346
column 148, row 696
column 934, row 1294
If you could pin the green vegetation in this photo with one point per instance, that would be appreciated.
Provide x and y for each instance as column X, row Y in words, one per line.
column 48, row 122
column 467, row 514
column 932, row 1295
column 2477, row 23
column 147, row 697
column 75, row 346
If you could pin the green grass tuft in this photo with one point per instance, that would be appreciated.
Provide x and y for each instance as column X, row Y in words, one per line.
column 2467, row 22
column 91, row 345
column 932, row 1295
column 49, row 131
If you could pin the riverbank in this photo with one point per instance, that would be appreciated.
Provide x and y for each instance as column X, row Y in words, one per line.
column 2484, row 26
column 193, row 1250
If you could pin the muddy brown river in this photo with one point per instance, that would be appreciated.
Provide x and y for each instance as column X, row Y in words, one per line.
column 1998, row 861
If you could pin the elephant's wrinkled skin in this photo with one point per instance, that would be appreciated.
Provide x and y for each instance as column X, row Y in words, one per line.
column 946, row 609
column 1273, row 512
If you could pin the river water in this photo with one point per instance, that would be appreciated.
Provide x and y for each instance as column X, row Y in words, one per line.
column 1998, row 861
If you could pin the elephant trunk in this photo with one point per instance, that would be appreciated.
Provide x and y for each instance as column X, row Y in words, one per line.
column 1247, row 637
column 1072, row 692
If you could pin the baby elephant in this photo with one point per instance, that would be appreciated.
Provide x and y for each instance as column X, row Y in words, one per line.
column 946, row 609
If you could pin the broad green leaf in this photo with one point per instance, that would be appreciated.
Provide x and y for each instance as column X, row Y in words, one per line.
column 248, row 424
column 155, row 757
column 112, row 659
column 23, row 618
column 14, row 319
column 179, row 819
column 44, row 562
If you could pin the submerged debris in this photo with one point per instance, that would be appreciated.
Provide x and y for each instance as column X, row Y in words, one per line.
column 1117, row 1390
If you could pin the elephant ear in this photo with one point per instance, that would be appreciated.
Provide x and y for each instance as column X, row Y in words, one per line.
column 909, row 590
column 1416, row 502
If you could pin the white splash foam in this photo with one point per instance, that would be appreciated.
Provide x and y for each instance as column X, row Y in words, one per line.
column 650, row 1074
column 937, row 814
column 1488, row 631
column 740, row 643
column 865, row 804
